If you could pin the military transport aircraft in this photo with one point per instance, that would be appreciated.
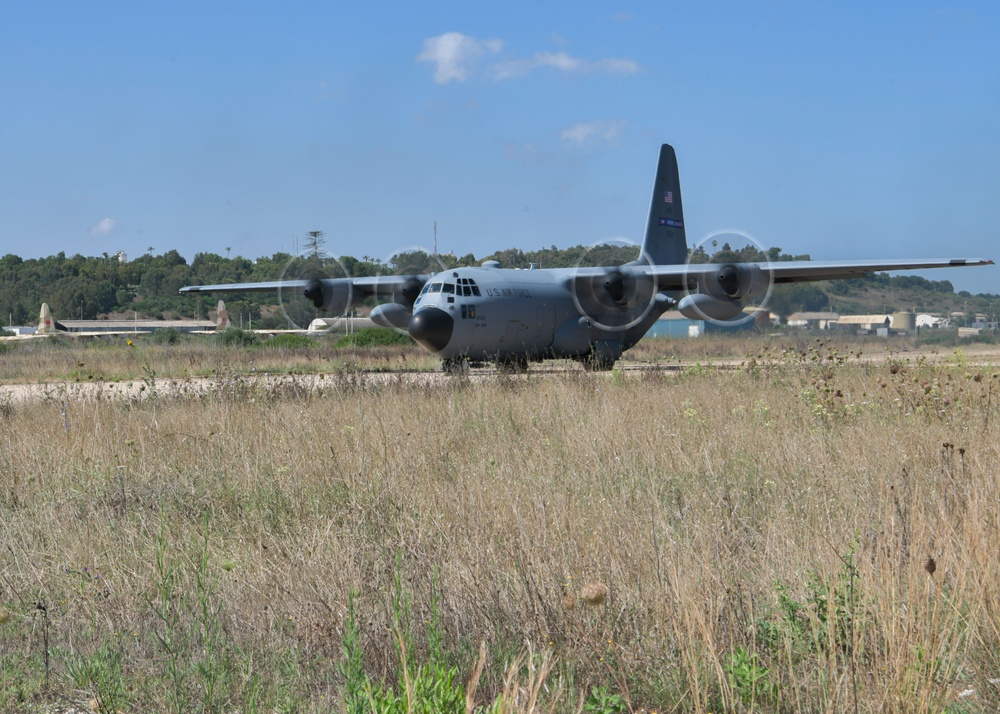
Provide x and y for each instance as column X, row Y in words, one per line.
column 592, row 315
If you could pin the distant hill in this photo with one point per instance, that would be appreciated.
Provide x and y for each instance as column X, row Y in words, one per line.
column 884, row 293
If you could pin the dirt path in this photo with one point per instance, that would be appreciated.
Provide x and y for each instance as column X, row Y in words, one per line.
column 61, row 391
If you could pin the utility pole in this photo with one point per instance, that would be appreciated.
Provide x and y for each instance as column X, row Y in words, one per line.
column 435, row 237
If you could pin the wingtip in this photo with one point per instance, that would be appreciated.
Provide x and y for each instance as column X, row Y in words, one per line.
column 971, row 261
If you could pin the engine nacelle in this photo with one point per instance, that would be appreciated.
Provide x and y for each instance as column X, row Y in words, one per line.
column 724, row 291
column 392, row 314
column 408, row 291
column 735, row 281
column 330, row 295
column 705, row 307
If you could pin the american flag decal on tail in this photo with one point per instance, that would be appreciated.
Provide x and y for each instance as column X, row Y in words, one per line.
column 668, row 197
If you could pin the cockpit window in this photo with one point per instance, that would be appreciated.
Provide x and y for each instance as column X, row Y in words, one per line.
column 448, row 288
column 436, row 287
column 426, row 288
column 467, row 288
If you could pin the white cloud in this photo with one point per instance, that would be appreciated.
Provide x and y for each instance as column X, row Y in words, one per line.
column 563, row 62
column 103, row 227
column 455, row 55
column 589, row 132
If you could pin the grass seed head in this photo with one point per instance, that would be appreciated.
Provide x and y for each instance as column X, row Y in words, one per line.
column 594, row 593
column 931, row 565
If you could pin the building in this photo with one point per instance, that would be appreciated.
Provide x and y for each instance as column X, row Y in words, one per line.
column 812, row 320
column 863, row 324
column 674, row 324
column 137, row 326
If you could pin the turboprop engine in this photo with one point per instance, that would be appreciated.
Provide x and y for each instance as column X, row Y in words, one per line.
column 330, row 295
column 722, row 292
column 397, row 314
column 613, row 298
column 392, row 314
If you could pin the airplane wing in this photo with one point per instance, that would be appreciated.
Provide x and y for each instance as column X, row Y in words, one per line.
column 372, row 285
column 333, row 295
column 680, row 277
column 719, row 291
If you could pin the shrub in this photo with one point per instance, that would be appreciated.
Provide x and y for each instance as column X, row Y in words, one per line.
column 235, row 337
column 290, row 341
column 373, row 336
column 166, row 336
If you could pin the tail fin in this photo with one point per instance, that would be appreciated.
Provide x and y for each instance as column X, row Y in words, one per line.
column 665, row 242
column 46, row 325
column 221, row 317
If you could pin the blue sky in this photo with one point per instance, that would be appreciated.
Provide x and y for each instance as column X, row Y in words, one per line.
column 844, row 130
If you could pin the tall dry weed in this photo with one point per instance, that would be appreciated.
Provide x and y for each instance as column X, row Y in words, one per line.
column 761, row 540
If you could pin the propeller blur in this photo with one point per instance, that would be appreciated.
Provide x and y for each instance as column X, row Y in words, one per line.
column 592, row 315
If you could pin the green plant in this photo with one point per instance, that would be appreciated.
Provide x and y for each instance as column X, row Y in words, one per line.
column 602, row 701
column 166, row 336
column 235, row 337
column 189, row 629
column 171, row 637
column 430, row 687
column 827, row 615
column 289, row 341
column 101, row 672
column 350, row 666
column 750, row 680
column 373, row 337
column 213, row 666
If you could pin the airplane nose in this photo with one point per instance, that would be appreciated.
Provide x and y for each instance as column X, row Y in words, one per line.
column 432, row 328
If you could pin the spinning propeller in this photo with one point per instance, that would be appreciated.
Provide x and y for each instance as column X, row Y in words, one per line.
column 614, row 298
column 312, row 287
column 399, row 283
column 719, row 292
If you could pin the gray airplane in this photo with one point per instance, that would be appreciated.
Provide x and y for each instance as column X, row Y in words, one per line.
column 592, row 315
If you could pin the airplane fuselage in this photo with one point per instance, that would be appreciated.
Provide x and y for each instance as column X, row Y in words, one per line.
column 486, row 314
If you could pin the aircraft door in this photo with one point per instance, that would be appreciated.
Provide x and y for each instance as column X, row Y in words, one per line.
column 545, row 319
column 510, row 337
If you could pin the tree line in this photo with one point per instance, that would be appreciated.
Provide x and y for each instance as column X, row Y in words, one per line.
column 96, row 287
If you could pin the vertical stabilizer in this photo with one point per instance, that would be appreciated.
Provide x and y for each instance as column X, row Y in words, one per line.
column 221, row 317
column 665, row 242
column 46, row 325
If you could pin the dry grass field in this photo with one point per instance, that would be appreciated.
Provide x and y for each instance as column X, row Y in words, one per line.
column 807, row 532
